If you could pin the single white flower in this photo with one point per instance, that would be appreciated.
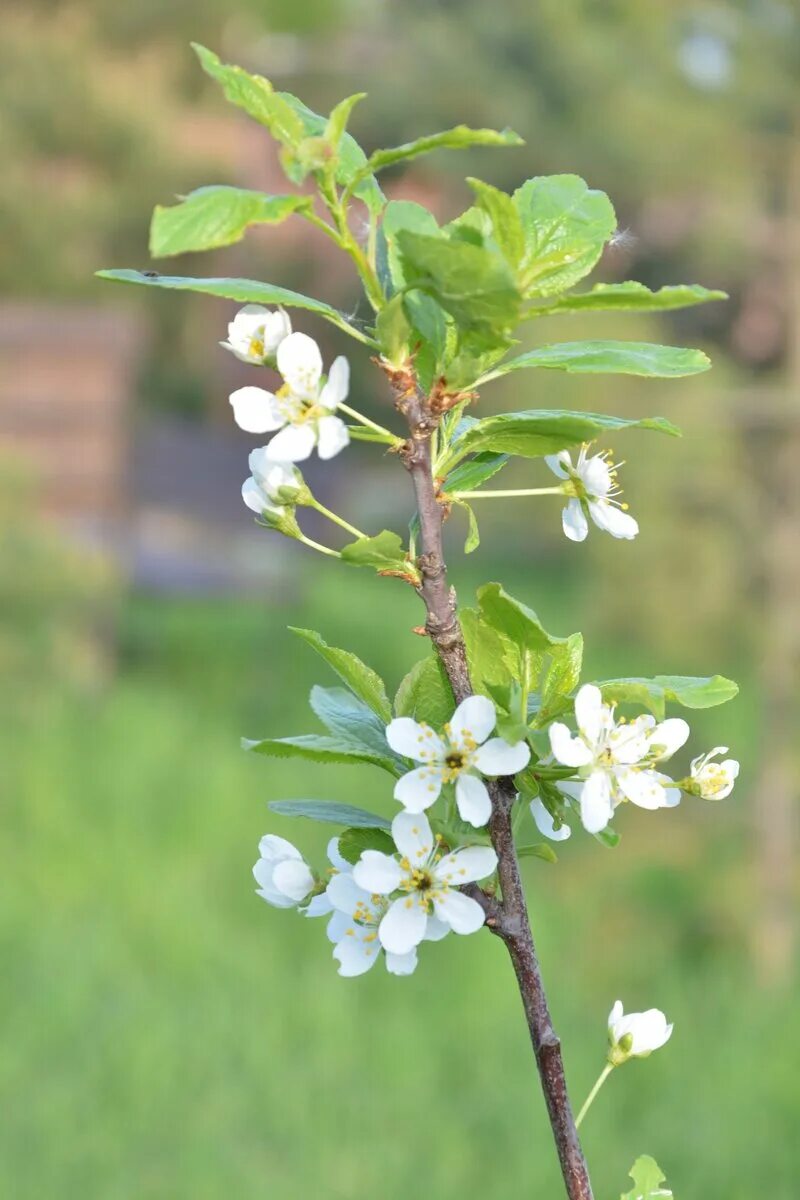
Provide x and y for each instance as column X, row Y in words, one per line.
column 427, row 881
column 255, row 333
column 456, row 757
column 283, row 877
column 592, row 486
column 271, row 485
column 545, row 823
column 353, row 929
column 637, row 1035
column 616, row 760
column 713, row 780
column 303, row 408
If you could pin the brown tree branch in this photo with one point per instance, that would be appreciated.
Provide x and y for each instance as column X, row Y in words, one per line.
column 507, row 918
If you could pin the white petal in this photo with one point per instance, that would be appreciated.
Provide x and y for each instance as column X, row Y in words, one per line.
column 560, row 464
column 345, row 894
column 568, row 750
column 335, row 858
column 274, row 897
column 276, row 327
column 355, row 956
column 247, row 320
column 573, row 521
column 338, row 925
column 293, row 878
column 413, row 740
column 613, row 520
column 293, row 444
column 640, row 787
column 473, row 801
column 403, row 927
column 596, row 804
column 546, row 825
column 419, row 789
column 649, row 1030
column 300, row 364
column 401, row 964
column 255, row 498
column 460, row 912
column 333, row 436
column 669, row 736
column 472, row 722
column 590, row 712
column 256, row 410
column 413, row 837
column 376, row 872
column 615, row 1014
column 497, row 757
column 596, row 476
column 274, row 848
column 466, row 865
column 337, row 384
column 435, row 930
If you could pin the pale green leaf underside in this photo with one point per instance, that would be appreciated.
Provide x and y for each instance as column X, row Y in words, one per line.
column 329, row 812
column 216, row 216
column 608, row 358
column 542, row 431
column 246, row 291
column 687, row 690
column 631, row 297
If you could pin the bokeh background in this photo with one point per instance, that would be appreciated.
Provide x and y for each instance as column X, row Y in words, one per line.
column 164, row 1033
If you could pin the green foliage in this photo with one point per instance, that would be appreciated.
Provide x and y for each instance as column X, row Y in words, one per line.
column 559, row 679
column 647, row 1177
column 384, row 552
column 566, row 226
column 354, row 842
column 346, row 163
column 608, row 358
column 217, row 216
column 329, row 812
column 348, row 718
column 630, row 297
column 459, row 138
column 538, row 850
column 541, row 431
column 315, row 748
column 425, row 693
column 513, row 620
column 473, row 539
column 654, row 694
column 253, row 93
column 361, row 679
column 471, row 282
column 469, row 476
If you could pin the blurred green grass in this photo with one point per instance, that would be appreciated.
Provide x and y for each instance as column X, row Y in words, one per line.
column 166, row 1034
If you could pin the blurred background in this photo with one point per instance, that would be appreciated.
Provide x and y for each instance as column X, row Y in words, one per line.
column 164, row 1033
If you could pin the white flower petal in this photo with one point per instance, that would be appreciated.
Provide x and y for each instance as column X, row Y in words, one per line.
column 293, row 878
column 640, row 787
column 256, row 410
column 435, row 930
column 669, row 736
column 460, row 912
column 413, row 837
column 419, row 789
column 375, row 872
column 560, row 464
column 613, row 520
column 466, row 865
column 473, row 801
column 335, row 858
column 472, row 722
column 293, row 444
column 401, row 964
column 333, row 436
column 345, row 894
column 300, row 364
column 590, row 713
column 273, row 896
column 274, row 848
column 256, row 500
column 337, row 384
column 276, row 327
column 596, row 476
column 338, row 925
column 403, row 927
column 412, row 740
column 318, row 906
column 568, row 750
column 497, row 757
column 546, row 825
column 596, row 804
column 573, row 521
column 355, row 956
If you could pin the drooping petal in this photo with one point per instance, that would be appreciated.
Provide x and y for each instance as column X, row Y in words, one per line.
column 472, row 722
column 560, row 464
column 337, row 384
column 473, row 801
column 596, row 804
column 546, row 825
column 573, row 521
column 412, row 740
column 300, row 364
column 333, row 436
column 460, row 912
column 401, row 964
column 497, row 757
column 375, row 873
column 613, row 520
column 419, row 789
column 641, row 787
column 256, row 410
column 403, row 927
column 568, row 750
column 293, row 878
column 293, row 444
column 355, row 956
column 466, row 865
column 413, row 837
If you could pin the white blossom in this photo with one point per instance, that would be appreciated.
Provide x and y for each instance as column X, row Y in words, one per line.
column 545, row 823
column 592, row 485
column 302, row 409
column 713, row 780
column 460, row 756
column 255, row 333
column 422, row 885
column 636, row 1035
column 615, row 761
column 283, row 877
column 353, row 929
column 271, row 485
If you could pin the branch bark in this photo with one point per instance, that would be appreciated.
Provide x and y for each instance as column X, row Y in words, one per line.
column 507, row 918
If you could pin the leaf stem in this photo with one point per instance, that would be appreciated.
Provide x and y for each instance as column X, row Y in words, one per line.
column 587, row 1104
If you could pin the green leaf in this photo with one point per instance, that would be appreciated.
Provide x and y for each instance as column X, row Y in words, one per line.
column 350, row 158
column 330, row 813
column 393, row 330
column 631, row 297
column 472, row 283
column 566, row 227
column 425, row 694
column 340, row 115
column 532, row 434
column 486, row 651
column 216, row 216
column 506, row 221
column 458, row 138
column 246, row 291
column 315, row 748
column 469, row 476
column 404, row 215
column 647, row 1177
column 514, row 620
column 687, row 690
column 354, row 723
column 473, row 532
column 353, row 842
column 538, row 850
column 253, row 93
column 608, row 358
column 361, row 679
column 385, row 552
column 560, row 679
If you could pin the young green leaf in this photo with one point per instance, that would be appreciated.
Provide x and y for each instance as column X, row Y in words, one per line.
column 472, row 283
column 361, row 679
column 385, row 552
column 506, row 221
column 538, row 850
column 514, row 620
column 246, row 291
column 560, row 679
column 425, row 694
column 330, row 813
column 253, row 93
column 487, row 651
column 337, row 121
column 351, row 171
column 566, row 227
column 630, row 297
column 353, row 842
column 393, row 330
column 353, row 722
column 647, row 1177
column 608, row 358
column 459, row 138
column 538, row 432
column 315, row 748
column 473, row 532
column 469, row 476
column 686, row 690
column 216, row 216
